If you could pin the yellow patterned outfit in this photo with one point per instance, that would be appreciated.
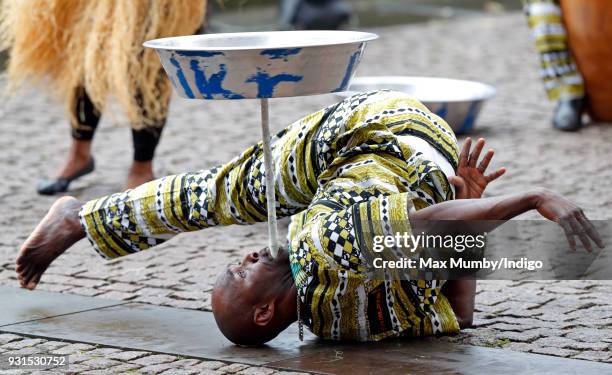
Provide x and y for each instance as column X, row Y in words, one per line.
column 558, row 69
column 344, row 174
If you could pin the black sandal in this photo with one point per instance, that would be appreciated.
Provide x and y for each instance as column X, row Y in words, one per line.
column 60, row 185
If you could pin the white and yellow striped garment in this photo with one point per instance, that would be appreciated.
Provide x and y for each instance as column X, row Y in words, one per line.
column 558, row 69
column 345, row 174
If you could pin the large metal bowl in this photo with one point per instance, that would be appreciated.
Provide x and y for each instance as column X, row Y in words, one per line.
column 456, row 101
column 261, row 64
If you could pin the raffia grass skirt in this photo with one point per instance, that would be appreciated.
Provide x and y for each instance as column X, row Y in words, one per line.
column 97, row 45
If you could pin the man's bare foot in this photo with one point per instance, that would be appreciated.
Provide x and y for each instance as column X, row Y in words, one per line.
column 140, row 172
column 57, row 231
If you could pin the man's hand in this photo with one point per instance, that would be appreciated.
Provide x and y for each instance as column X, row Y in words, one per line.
column 570, row 217
column 471, row 181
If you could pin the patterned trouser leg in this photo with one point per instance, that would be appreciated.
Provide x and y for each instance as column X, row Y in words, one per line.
column 308, row 156
column 558, row 69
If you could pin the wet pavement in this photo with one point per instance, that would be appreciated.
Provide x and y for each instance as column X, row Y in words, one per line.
column 140, row 327
column 571, row 319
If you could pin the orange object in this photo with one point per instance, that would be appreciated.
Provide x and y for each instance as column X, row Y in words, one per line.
column 589, row 27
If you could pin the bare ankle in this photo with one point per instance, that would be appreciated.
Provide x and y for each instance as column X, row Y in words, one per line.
column 81, row 149
column 141, row 167
column 70, row 210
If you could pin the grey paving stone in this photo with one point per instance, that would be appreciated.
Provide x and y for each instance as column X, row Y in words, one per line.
column 99, row 372
column 527, row 336
column 156, row 369
column 51, row 345
column 179, row 371
column 25, row 351
column 100, row 363
column 5, row 338
column 128, row 355
column 74, row 348
column 186, row 362
column 210, row 372
column 233, row 368
column 210, row 365
column 256, row 371
column 122, row 287
column 557, row 342
column 555, row 351
column 25, row 343
column 589, row 335
column 593, row 355
column 125, row 368
column 154, row 359
column 104, row 352
column 75, row 369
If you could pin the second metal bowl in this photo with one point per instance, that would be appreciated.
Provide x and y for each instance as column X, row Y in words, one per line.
column 458, row 102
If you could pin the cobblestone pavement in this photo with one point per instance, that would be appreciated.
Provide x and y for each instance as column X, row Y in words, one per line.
column 98, row 360
column 565, row 318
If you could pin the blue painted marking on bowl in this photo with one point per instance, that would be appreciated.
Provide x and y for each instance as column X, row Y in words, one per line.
column 213, row 85
column 280, row 53
column 443, row 111
column 266, row 83
column 349, row 71
column 182, row 80
column 470, row 118
column 199, row 53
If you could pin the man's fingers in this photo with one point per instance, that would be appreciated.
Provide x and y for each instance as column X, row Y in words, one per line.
column 579, row 231
column 590, row 229
column 568, row 233
column 495, row 175
column 476, row 153
column 484, row 164
column 465, row 152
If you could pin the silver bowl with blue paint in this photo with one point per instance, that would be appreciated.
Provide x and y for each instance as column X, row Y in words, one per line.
column 261, row 64
column 458, row 102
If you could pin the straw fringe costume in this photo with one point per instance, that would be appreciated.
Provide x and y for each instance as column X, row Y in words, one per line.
column 562, row 80
column 344, row 174
column 85, row 51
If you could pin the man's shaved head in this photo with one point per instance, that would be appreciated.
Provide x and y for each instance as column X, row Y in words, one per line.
column 255, row 300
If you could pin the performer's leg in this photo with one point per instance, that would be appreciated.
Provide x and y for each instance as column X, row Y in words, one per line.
column 85, row 119
column 562, row 80
column 146, row 137
column 145, row 143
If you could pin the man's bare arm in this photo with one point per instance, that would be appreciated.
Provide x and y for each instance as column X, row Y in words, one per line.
column 458, row 216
